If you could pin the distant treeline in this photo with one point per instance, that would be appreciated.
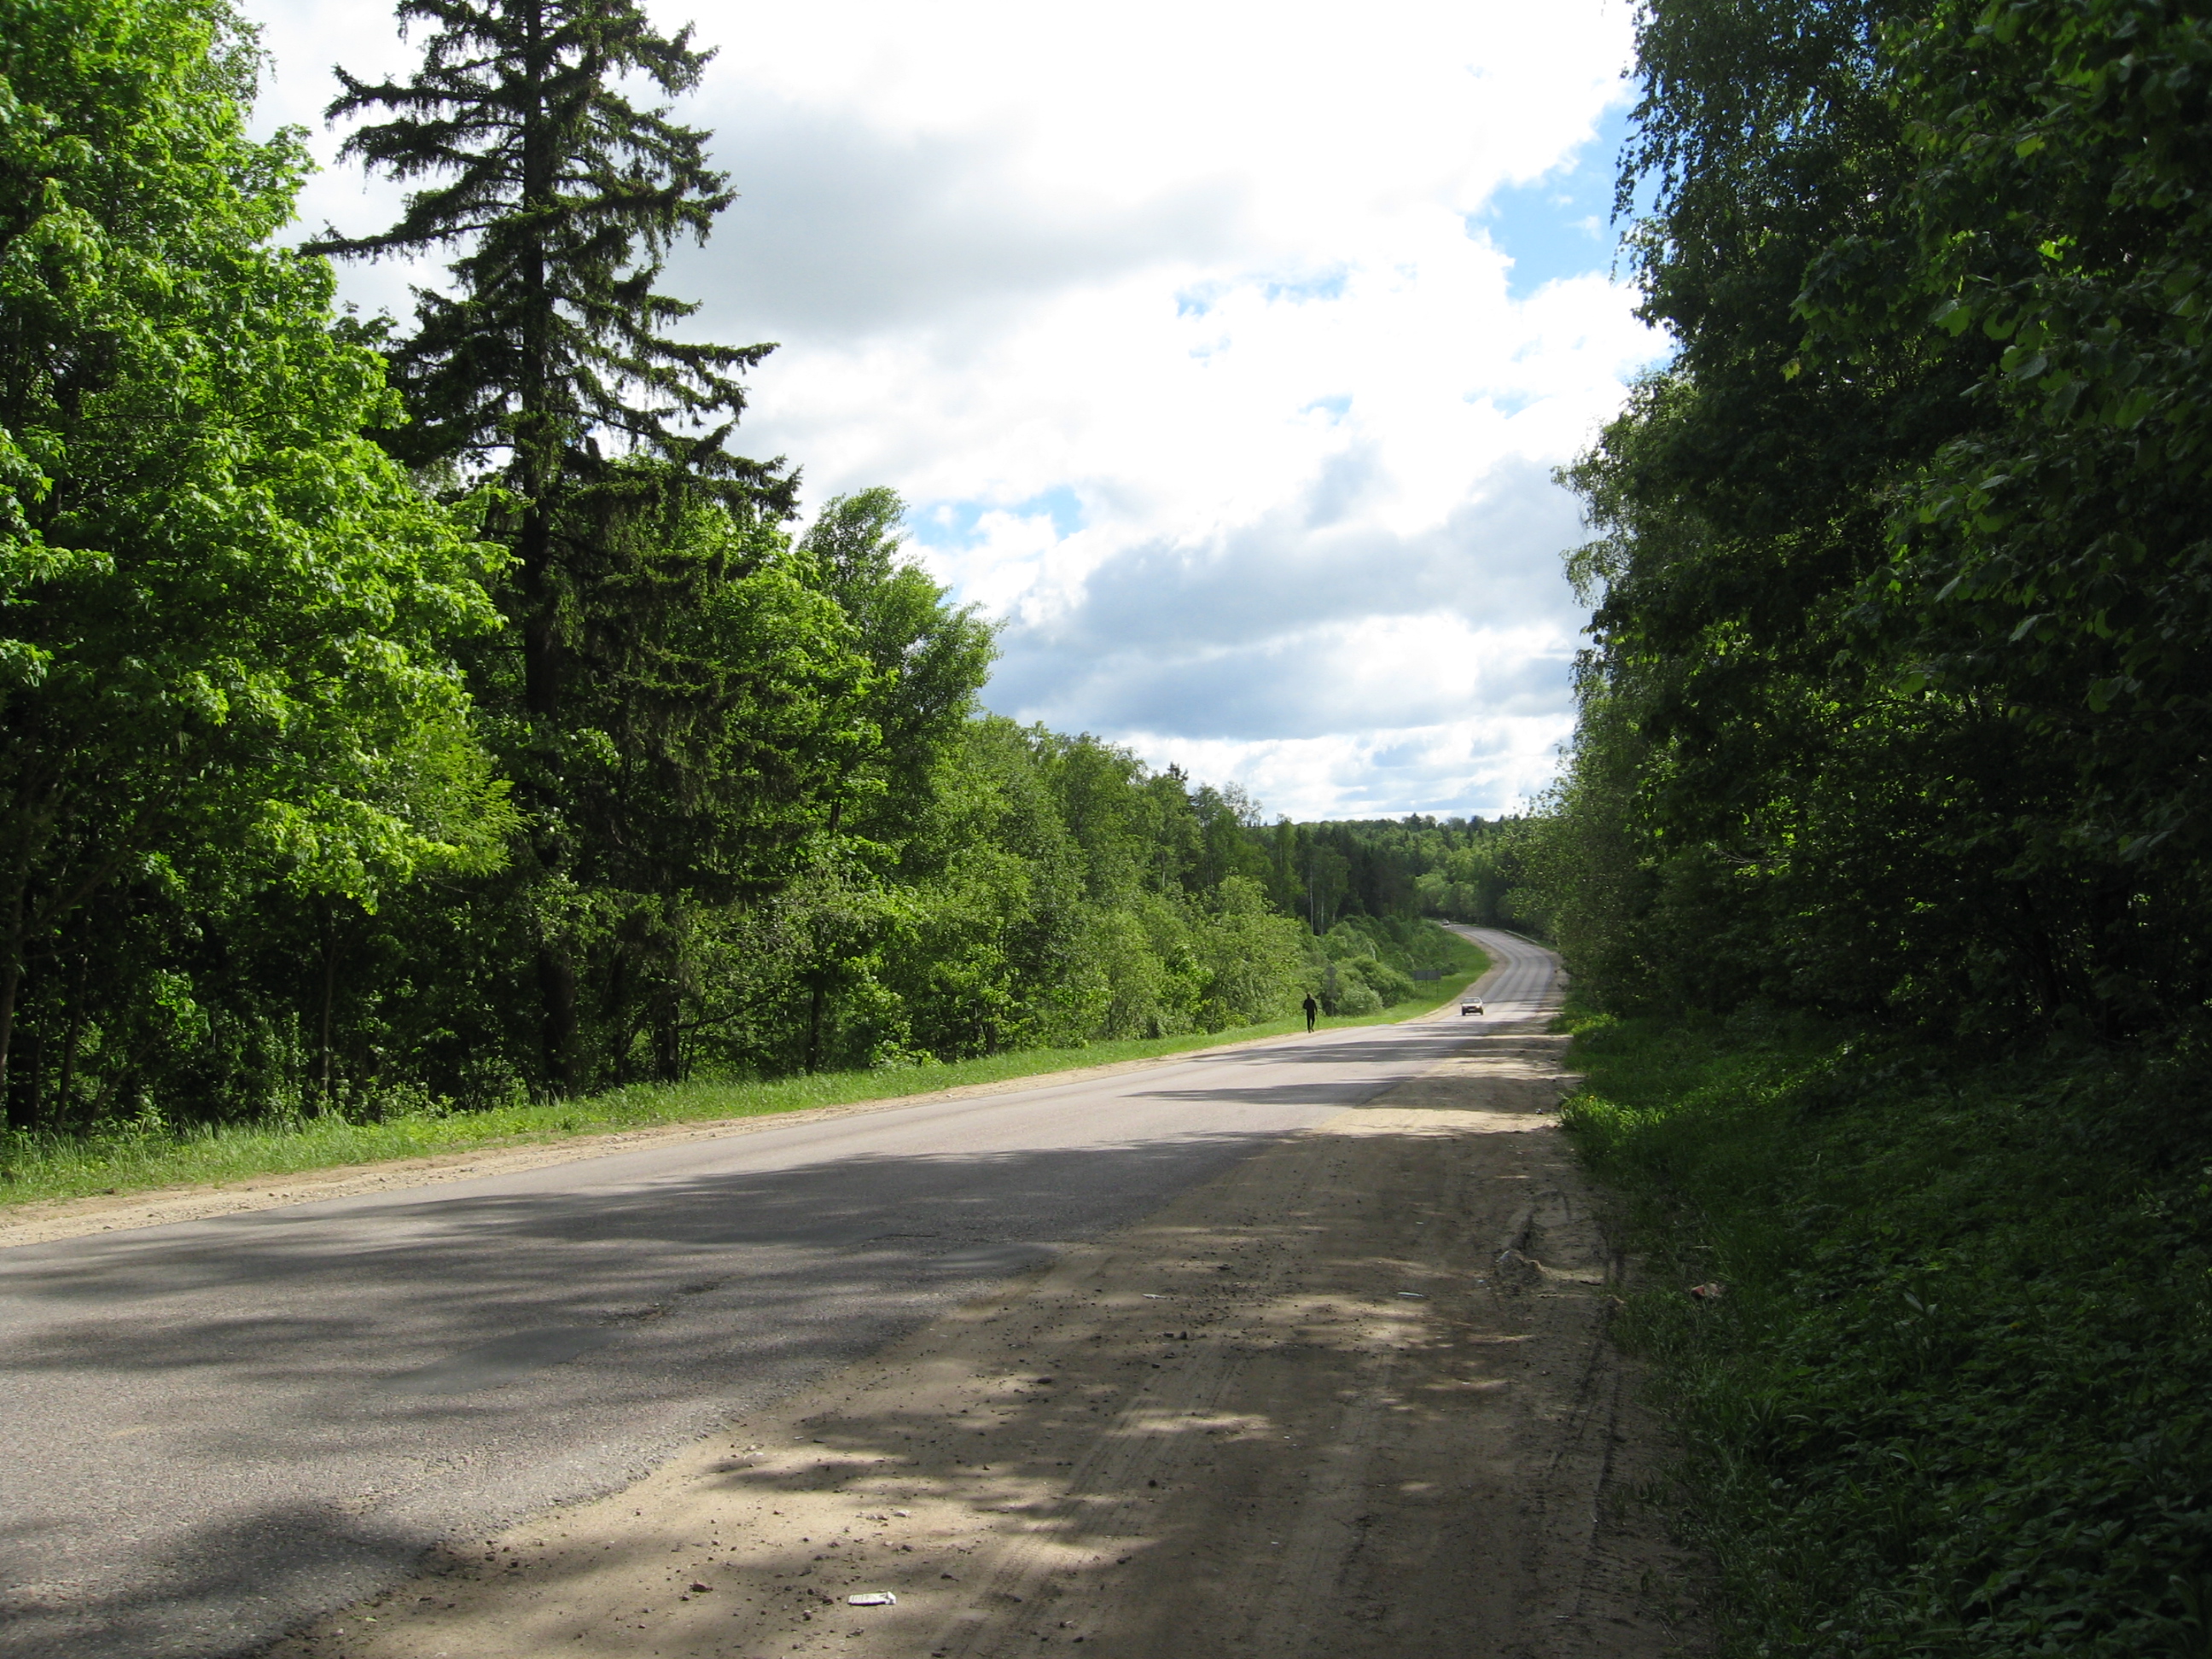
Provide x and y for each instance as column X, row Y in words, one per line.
column 427, row 712
column 1456, row 869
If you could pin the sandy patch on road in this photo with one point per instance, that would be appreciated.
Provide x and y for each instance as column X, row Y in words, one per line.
column 1311, row 1410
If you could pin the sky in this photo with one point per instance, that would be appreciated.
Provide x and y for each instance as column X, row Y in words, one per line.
column 1222, row 352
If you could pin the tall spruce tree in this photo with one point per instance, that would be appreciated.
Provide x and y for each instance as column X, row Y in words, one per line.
column 547, row 360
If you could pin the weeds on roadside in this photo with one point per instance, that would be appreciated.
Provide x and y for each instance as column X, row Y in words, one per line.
column 146, row 1153
column 1956, row 1397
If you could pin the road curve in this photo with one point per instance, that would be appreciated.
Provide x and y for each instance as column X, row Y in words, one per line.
column 218, row 1429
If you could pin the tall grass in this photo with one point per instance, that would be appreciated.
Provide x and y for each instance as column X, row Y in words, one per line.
column 1956, row 1395
column 151, row 1154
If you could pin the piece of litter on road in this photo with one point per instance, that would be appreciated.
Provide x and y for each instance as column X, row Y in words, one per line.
column 1152, row 1296
column 873, row 1598
column 1416, row 1295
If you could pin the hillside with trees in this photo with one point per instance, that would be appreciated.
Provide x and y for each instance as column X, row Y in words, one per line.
column 1882, row 857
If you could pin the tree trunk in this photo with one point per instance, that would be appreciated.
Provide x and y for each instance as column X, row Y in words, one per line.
column 74, row 1028
column 668, row 1043
column 536, row 437
column 615, row 1014
column 32, row 1068
column 323, row 1019
column 537, row 472
column 11, row 985
column 556, row 984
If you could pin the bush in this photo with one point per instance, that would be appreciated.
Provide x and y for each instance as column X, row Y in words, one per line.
column 1387, row 983
column 1345, row 990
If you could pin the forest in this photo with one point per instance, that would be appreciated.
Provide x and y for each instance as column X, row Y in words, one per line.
column 426, row 714
column 1882, row 856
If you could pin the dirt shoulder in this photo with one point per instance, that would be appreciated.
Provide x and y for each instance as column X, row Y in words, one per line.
column 1354, row 1398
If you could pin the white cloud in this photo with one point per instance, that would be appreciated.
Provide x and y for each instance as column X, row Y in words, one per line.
column 1191, row 332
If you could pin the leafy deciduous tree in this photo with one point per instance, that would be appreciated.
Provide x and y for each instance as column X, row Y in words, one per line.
column 227, row 611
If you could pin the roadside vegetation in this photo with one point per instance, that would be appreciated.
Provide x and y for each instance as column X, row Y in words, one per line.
column 1884, row 855
column 1948, row 1398
column 148, row 1154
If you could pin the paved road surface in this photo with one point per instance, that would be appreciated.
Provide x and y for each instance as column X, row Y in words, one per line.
column 217, row 1428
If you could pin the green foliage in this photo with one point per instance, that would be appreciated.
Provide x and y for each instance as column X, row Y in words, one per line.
column 927, row 657
column 1949, row 1401
column 1027, row 890
column 1365, row 963
column 2051, row 559
column 1901, row 567
column 227, row 613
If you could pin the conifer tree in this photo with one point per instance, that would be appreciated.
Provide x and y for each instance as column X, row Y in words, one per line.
column 561, row 198
column 547, row 360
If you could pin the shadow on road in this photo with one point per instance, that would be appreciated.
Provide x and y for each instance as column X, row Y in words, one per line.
column 376, row 1365
column 221, row 1428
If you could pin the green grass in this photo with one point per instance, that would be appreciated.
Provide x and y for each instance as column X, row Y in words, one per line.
column 43, row 1166
column 1952, row 1401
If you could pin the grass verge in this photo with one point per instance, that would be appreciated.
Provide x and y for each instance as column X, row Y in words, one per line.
column 1952, row 1401
column 45, row 1166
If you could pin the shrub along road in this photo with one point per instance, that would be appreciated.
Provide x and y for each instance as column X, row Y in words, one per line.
column 227, row 1428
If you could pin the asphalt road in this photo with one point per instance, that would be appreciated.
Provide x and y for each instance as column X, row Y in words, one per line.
column 216, row 1429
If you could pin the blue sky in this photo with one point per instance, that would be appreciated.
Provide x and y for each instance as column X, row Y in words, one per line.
column 1560, row 225
column 1222, row 352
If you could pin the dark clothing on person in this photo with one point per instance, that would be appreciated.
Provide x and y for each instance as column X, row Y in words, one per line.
column 1312, row 1008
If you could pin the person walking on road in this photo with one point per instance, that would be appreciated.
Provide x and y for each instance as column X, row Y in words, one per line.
column 1312, row 1009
